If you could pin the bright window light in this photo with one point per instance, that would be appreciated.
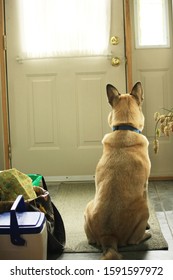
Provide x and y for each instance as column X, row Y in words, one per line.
column 51, row 28
column 151, row 23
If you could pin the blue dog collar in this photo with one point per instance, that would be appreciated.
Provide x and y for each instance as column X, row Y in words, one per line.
column 126, row 127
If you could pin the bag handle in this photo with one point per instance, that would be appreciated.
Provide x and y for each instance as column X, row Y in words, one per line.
column 44, row 184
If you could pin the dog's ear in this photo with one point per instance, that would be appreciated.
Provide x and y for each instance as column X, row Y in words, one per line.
column 113, row 94
column 137, row 92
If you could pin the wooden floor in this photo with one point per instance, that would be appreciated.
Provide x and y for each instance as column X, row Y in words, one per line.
column 161, row 196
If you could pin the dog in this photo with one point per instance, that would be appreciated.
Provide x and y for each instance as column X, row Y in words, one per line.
column 118, row 215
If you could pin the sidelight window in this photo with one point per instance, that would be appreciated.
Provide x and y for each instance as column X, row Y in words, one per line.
column 151, row 23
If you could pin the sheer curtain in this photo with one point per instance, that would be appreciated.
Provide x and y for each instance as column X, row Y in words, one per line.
column 51, row 28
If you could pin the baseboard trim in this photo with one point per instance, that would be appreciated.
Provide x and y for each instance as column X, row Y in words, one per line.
column 161, row 178
column 80, row 178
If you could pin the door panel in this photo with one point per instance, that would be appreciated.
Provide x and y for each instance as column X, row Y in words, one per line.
column 153, row 66
column 58, row 106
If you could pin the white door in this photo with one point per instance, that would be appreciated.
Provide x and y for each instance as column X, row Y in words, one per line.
column 58, row 106
column 152, row 64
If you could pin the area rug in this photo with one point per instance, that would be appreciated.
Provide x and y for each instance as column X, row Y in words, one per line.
column 71, row 200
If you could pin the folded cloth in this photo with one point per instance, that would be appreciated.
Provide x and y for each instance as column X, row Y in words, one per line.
column 14, row 183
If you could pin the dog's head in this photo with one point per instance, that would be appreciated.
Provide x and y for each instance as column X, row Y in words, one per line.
column 126, row 108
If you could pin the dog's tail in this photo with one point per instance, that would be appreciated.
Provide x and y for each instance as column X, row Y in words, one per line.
column 110, row 248
column 111, row 254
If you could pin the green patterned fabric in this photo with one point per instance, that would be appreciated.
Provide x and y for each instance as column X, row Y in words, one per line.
column 14, row 183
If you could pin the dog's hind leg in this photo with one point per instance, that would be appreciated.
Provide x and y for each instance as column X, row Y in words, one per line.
column 88, row 224
column 140, row 234
column 89, row 234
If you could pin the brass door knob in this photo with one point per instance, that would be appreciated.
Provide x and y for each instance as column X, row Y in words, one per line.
column 115, row 61
column 114, row 40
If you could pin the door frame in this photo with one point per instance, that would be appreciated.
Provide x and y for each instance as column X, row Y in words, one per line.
column 3, row 70
column 4, row 95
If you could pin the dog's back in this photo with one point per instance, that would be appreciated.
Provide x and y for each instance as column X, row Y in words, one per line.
column 118, row 214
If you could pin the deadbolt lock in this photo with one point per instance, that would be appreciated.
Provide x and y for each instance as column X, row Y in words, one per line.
column 115, row 40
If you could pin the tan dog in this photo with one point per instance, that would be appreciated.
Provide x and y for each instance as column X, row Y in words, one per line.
column 118, row 214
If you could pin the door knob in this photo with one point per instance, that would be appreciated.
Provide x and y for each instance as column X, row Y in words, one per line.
column 114, row 40
column 115, row 61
